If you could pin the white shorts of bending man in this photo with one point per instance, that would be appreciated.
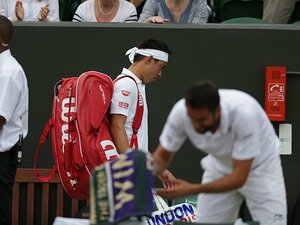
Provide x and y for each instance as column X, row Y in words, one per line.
column 243, row 161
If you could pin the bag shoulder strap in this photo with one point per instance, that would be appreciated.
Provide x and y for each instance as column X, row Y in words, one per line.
column 138, row 114
column 42, row 140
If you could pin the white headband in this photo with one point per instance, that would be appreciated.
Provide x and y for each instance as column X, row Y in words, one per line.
column 157, row 54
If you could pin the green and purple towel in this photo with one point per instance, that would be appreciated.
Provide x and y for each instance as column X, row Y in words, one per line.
column 121, row 189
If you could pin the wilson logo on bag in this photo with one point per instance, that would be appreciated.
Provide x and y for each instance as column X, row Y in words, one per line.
column 79, row 129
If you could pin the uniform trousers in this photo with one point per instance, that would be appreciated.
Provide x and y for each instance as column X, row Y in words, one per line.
column 264, row 192
column 8, row 167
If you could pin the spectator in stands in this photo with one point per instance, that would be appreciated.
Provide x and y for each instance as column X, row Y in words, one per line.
column 105, row 11
column 139, row 5
column 278, row 11
column 175, row 11
column 30, row 10
column 74, row 5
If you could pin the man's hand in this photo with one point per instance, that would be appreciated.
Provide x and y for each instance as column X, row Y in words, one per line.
column 19, row 11
column 229, row 182
column 179, row 189
column 167, row 179
column 43, row 13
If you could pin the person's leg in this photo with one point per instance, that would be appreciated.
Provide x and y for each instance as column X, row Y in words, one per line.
column 278, row 11
column 266, row 195
column 7, row 177
column 220, row 207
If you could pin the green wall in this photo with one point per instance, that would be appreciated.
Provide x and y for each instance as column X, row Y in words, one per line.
column 233, row 56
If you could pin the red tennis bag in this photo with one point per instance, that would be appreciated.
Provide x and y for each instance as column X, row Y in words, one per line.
column 80, row 130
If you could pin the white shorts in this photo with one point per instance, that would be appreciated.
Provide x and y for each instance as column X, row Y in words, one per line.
column 264, row 193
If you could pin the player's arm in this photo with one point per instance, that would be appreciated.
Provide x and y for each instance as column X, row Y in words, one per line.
column 162, row 158
column 125, row 93
column 118, row 132
column 235, row 180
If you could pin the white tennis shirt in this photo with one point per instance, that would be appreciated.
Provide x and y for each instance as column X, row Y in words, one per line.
column 124, row 101
column 13, row 101
column 245, row 132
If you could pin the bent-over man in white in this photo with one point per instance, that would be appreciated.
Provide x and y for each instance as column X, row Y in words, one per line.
column 243, row 155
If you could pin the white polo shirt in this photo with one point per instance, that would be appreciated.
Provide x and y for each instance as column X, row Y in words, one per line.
column 245, row 132
column 124, row 101
column 86, row 12
column 13, row 101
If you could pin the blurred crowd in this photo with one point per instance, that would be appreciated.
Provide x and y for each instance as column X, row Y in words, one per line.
column 143, row 11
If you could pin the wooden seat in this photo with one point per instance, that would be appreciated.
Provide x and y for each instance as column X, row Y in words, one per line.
column 27, row 181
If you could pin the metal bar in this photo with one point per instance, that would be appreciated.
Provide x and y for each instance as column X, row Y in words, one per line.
column 292, row 73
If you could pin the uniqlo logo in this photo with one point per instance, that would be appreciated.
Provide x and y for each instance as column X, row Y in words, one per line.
column 125, row 93
column 123, row 105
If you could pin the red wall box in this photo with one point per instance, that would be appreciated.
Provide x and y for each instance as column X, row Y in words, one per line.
column 275, row 93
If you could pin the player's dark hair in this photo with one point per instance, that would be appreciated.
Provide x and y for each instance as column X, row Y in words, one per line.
column 6, row 30
column 203, row 94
